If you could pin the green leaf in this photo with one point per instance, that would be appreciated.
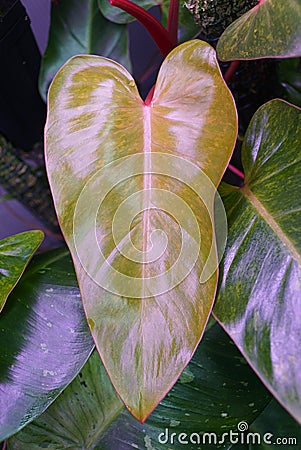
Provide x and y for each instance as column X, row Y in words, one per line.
column 271, row 29
column 15, row 253
column 119, row 16
column 290, row 78
column 44, row 340
column 275, row 426
column 120, row 172
column 260, row 289
column 215, row 392
column 78, row 27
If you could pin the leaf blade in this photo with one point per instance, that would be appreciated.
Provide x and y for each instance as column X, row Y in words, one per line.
column 47, row 308
column 80, row 28
column 15, row 253
column 262, row 265
column 269, row 30
column 132, row 318
column 193, row 405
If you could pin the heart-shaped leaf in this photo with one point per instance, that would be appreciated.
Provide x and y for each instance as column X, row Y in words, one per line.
column 44, row 340
column 15, row 253
column 215, row 393
column 134, row 186
column 270, row 29
column 259, row 301
column 79, row 27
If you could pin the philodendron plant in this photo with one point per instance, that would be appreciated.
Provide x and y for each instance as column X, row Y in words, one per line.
column 189, row 288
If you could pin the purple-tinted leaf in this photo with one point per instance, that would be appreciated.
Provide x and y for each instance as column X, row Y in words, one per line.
column 44, row 340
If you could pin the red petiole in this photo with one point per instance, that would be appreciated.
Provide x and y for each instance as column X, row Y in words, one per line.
column 236, row 171
column 231, row 70
column 166, row 39
column 173, row 20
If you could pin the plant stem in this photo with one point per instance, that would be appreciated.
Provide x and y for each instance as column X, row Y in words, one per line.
column 237, row 172
column 149, row 96
column 159, row 34
column 173, row 20
column 231, row 71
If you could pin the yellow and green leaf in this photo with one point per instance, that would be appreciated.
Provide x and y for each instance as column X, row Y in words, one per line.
column 271, row 29
column 144, row 174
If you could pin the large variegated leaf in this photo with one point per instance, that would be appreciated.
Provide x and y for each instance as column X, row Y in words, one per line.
column 259, row 301
column 270, row 29
column 15, row 254
column 209, row 397
column 79, row 27
column 44, row 340
column 134, row 186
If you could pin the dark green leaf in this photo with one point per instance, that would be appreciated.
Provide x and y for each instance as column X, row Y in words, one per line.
column 260, row 289
column 215, row 392
column 275, row 428
column 290, row 79
column 270, row 29
column 117, row 166
column 44, row 340
column 78, row 27
column 15, row 253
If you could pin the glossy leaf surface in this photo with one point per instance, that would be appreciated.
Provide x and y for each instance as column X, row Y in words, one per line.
column 210, row 396
column 114, row 161
column 78, row 27
column 44, row 340
column 259, row 301
column 15, row 253
column 270, row 29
